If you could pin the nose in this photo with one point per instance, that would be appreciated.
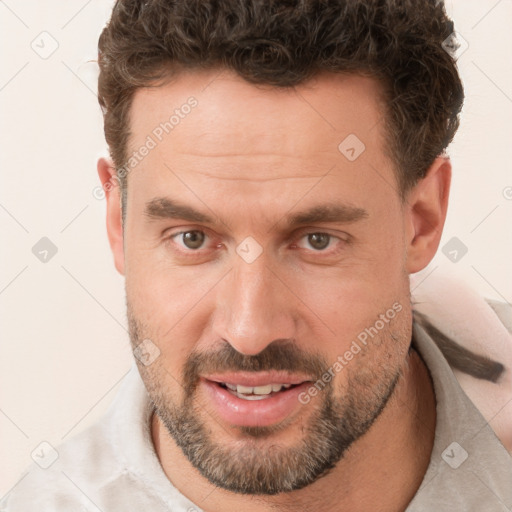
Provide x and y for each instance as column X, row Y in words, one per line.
column 253, row 307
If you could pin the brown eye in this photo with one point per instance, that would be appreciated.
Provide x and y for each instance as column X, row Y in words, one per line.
column 192, row 239
column 319, row 241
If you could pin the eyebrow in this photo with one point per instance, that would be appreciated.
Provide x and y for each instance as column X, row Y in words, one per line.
column 165, row 208
column 328, row 213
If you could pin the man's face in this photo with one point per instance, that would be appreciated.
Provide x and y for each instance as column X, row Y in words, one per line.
column 293, row 266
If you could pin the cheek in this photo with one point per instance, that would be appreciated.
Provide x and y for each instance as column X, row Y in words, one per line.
column 356, row 292
column 166, row 292
column 356, row 319
column 172, row 306
column 168, row 341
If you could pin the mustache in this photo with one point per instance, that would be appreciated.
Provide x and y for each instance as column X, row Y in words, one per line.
column 280, row 355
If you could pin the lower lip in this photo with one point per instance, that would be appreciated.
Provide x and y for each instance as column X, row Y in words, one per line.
column 252, row 413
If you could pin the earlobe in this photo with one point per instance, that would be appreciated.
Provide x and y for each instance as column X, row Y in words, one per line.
column 110, row 184
column 427, row 204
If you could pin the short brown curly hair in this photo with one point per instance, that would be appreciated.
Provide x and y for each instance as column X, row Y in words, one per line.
column 284, row 43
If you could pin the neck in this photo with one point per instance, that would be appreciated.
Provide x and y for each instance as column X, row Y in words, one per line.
column 381, row 471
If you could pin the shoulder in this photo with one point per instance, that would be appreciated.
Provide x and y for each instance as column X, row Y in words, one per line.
column 42, row 491
column 62, row 478
column 475, row 336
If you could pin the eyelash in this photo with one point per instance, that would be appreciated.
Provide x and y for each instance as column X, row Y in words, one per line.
column 169, row 239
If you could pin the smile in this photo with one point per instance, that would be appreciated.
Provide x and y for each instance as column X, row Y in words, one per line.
column 256, row 392
column 255, row 398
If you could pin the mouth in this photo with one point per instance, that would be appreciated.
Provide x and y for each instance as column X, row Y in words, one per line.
column 255, row 399
column 255, row 392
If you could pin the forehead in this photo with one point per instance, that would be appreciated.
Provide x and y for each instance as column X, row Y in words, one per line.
column 277, row 128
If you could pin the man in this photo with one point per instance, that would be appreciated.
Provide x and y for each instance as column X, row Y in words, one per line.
column 277, row 173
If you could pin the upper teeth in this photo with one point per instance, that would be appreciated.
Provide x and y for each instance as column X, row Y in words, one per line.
column 257, row 390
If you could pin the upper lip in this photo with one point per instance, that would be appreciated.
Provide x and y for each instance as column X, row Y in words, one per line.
column 254, row 379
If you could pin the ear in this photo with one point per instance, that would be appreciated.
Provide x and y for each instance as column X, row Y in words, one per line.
column 426, row 208
column 110, row 184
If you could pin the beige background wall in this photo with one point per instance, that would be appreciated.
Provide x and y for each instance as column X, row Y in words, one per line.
column 64, row 345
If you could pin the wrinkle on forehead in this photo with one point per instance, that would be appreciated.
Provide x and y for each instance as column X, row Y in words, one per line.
column 241, row 133
column 233, row 116
column 259, row 179
column 233, row 168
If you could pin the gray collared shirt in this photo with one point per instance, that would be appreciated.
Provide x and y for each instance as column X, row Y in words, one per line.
column 112, row 466
column 469, row 468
